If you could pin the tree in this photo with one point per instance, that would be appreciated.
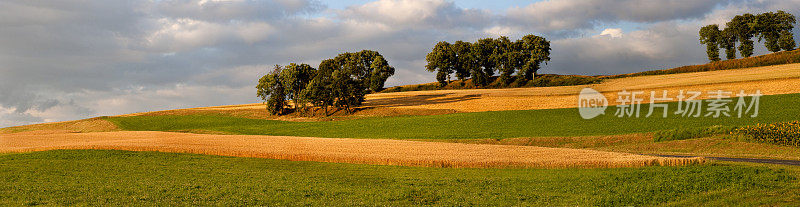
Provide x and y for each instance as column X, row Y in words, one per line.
column 441, row 60
column 787, row 40
column 363, row 67
column 319, row 91
column 295, row 78
column 710, row 36
column 271, row 89
column 509, row 58
column 477, row 73
column 483, row 54
column 341, row 82
column 728, row 42
column 743, row 28
column 535, row 50
column 381, row 71
column 481, row 59
column 347, row 91
column 768, row 28
column 464, row 62
column 786, row 22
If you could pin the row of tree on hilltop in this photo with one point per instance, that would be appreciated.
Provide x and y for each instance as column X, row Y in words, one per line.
column 341, row 82
column 481, row 59
column 774, row 28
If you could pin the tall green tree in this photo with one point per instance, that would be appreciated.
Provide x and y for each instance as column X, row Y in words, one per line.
column 295, row 78
column 485, row 64
column 381, row 71
column 728, row 42
column 441, row 60
column 356, row 74
column 710, row 36
column 509, row 58
column 787, row 41
column 536, row 50
column 743, row 26
column 465, row 62
column 362, row 65
column 270, row 88
column 319, row 91
column 786, row 22
column 768, row 28
column 347, row 91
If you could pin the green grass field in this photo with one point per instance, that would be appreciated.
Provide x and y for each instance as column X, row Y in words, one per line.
column 499, row 124
column 99, row 177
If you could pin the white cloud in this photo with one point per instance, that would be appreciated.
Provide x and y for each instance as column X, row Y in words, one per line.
column 499, row 31
column 612, row 32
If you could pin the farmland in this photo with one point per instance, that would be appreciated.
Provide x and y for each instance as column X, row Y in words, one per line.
column 378, row 155
column 399, row 103
column 367, row 151
column 496, row 124
column 99, row 177
column 770, row 80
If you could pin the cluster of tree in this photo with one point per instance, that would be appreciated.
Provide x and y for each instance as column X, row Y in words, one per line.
column 341, row 82
column 774, row 28
column 480, row 60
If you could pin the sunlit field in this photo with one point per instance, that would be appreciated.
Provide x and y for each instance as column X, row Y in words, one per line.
column 498, row 124
column 92, row 177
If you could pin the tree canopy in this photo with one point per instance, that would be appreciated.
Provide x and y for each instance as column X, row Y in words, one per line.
column 710, row 36
column 341, row 82
column 442, row 60
column 481, row 59
column 773, row 28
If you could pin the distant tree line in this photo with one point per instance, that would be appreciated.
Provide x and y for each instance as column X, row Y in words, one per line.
column 481, row 59
column 340, row 82
column 774, row 28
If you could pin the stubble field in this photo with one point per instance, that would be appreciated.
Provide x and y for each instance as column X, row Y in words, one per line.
column 362, row 151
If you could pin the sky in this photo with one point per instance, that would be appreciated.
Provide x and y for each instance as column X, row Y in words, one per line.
column 72, row 59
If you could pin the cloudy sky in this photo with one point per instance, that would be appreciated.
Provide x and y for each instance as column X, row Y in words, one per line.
column 64, row 60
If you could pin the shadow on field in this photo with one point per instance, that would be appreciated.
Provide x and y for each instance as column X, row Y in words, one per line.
column 418, row 100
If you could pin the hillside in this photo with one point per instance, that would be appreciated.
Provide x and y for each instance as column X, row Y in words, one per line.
column 531, row 109
column 770, row 80
column 551, row 80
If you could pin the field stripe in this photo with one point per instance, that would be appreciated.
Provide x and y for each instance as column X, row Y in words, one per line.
column 363, row 151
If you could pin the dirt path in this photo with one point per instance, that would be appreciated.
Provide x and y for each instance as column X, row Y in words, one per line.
column 366, row 151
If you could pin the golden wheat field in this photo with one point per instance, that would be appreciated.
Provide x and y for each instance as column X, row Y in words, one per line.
column 364, row 151
column 770, row 80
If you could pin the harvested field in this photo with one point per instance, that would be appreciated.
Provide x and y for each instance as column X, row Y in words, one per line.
column 770, row 80
column 363, row 151
column 97, row 124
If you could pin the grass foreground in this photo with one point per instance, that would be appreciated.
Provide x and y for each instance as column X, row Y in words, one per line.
column 100, row 177
column 478, row 125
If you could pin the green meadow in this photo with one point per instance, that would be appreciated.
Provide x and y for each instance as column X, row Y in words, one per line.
column 101, row 177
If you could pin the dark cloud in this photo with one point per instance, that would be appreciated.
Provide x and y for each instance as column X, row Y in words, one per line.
column 238, row 10
column 561, row 15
